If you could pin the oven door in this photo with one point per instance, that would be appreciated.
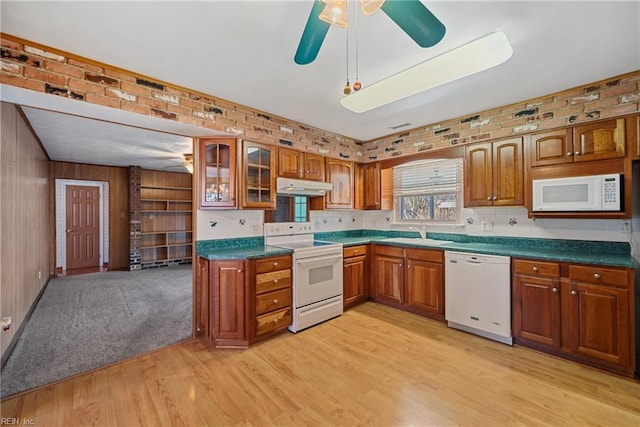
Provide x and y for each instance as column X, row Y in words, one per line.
column 317, row 278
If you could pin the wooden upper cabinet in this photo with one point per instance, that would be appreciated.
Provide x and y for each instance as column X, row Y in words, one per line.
column 258, row 183
column 478, row 177
column 584, row 143
column 372, row 190
column 340, row 174
column 494, row 174
column 597, row 141
column 508, row 172
column 551, row 148
column 299, row 165
column 634, row 130
column 358, row 186
column 217, row 169
column 314, row 167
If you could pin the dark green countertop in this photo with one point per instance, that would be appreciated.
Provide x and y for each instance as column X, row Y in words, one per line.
column 576, row 251
column 243, row 248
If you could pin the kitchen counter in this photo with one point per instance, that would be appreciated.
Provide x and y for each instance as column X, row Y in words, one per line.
column 616, row 254
column 576, row 251
column 247, row 248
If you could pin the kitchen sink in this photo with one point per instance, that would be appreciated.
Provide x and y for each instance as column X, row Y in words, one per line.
column 417, row 241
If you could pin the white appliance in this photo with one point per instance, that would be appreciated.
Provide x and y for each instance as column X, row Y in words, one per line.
column 317, row 272
column 478, row 294
column 578, row 193
column 301, row 187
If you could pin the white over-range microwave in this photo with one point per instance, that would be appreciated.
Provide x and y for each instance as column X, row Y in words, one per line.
column 579, row 193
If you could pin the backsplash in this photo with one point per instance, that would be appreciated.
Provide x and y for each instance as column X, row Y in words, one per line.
column 508, row 222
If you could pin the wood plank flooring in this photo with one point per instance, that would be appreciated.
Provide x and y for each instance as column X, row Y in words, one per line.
column 373, row 366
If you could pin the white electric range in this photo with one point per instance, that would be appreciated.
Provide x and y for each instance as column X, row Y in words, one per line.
column 317, row 272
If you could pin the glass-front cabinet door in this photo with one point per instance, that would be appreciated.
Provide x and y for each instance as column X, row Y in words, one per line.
column 259, row 176
column 217, row 172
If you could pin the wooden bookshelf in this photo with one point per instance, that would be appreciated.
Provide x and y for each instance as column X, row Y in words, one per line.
column 165, row 218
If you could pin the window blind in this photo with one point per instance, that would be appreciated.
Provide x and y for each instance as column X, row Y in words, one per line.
column 428, row 177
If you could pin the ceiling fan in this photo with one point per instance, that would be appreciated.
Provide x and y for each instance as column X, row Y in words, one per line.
column 410, row 15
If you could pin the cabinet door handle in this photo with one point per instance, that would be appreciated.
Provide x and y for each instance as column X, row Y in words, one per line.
column 409, row 266
column 574, row 292
column 240, row 270
column 535, row 269
column 399, row 265
column 596, row 275
column 569, row 153
column 554, row 290
column 577, row 153
column 489, row 198
column 495, row 198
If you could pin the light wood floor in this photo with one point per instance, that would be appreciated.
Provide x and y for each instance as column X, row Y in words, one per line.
column 373, row 366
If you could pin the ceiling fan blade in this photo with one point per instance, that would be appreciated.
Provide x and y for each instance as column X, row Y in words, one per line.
column 415, row 20
column 312, row 36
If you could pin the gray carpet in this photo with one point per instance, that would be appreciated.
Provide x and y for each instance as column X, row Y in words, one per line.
column 91, row 320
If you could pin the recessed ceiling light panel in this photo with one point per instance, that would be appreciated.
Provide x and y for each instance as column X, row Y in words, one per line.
column 468, row 59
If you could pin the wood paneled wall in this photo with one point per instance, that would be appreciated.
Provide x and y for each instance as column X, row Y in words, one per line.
column 118, row 180
column 27, row 255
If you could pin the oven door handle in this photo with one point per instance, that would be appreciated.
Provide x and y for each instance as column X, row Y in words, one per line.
column 315, row 260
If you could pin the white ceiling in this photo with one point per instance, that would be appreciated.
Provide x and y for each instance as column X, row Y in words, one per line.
column 243, row 51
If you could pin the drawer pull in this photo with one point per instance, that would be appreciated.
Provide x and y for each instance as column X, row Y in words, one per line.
column 554, row 290
column 275, row 264
column 535, row 269
column 596, row 275
column 275, row 301
column 275, row 280
column 574, row 292
column 275, row 320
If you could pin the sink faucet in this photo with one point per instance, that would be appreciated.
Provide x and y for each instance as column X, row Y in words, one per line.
column 422, row 230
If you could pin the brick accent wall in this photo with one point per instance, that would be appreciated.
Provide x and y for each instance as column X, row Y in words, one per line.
column 614, row 97
column 135, row 220
column 45, row 69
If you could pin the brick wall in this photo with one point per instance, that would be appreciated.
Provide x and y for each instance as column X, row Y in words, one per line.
column 614, row 97
column 44, row 69
column 135, row 220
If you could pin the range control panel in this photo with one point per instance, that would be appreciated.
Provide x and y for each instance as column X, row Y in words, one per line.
column 287, row 228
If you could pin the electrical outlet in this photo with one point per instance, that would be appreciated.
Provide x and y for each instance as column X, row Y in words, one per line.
column 6, row 323
column 40, row 274
column 625, row 226
column 255, row 228
column 486, row 225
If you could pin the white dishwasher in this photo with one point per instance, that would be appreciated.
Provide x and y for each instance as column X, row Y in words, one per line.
column 478, row 294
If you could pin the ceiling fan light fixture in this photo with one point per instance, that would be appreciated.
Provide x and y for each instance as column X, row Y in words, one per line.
column 335, row 12
column 369, row 7
column 471, row 58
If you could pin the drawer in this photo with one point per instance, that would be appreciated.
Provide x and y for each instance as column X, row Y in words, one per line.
column 355, row 251
column 393, row 251
column 266, row 282
column 426, row 255
column 599, row 275
column 273, row 301
column 273, row 321
column 536, row 268
column 267, row 265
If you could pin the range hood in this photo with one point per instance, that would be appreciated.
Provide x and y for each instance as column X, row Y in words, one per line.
column 301, row 187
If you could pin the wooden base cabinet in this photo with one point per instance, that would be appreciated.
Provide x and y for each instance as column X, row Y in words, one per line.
column 243, row 301
column 582, row 312
column 354, row 275
column 410, row 279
